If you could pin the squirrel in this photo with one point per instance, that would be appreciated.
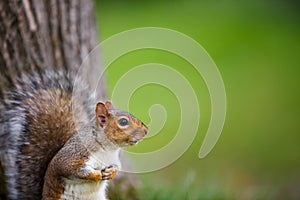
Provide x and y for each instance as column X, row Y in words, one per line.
column 57, row 146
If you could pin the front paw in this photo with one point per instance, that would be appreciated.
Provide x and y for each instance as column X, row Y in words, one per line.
column 109, row 172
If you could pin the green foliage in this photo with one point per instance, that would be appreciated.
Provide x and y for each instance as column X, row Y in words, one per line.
column 256, row 46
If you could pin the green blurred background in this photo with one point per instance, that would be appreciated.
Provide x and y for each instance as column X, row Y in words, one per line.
column 256, row 46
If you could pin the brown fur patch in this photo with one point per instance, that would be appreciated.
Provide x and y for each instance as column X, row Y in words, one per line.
column 127, row 135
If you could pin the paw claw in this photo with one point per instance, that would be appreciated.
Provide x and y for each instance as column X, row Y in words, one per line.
column 109, row 172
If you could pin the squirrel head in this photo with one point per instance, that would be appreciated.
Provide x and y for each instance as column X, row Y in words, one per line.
column 120, row 126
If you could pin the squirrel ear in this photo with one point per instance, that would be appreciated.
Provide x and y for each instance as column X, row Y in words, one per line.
column 109, row 104
column 101, row 114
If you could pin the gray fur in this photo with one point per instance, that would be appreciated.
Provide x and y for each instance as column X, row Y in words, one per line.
column 14, row 126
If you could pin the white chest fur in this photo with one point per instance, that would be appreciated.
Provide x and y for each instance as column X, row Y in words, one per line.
column 90, row 190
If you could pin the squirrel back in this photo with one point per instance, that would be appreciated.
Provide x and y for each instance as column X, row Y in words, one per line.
column 37, row 118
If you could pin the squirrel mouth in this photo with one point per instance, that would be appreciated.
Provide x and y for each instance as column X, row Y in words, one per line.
column 137, row 136
column 133, row 142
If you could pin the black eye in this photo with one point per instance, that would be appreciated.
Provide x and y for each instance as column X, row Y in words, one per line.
column 123, row 122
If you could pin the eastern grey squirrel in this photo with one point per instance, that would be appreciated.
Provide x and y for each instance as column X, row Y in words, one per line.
column 54, row 146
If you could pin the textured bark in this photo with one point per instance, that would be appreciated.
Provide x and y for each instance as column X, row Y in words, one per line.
column 36, row 34
column 45, row 34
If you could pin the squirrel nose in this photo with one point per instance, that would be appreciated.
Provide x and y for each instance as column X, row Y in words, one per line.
column 145, row 130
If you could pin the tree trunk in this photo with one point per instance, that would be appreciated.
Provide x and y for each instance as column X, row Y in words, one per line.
column 37, row 34
column 46, row 34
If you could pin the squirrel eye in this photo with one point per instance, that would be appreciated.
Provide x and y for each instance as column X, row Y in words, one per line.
column 123, row 122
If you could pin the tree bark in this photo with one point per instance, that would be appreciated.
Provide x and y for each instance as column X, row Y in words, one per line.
column 39, row 34
column 46, row 34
